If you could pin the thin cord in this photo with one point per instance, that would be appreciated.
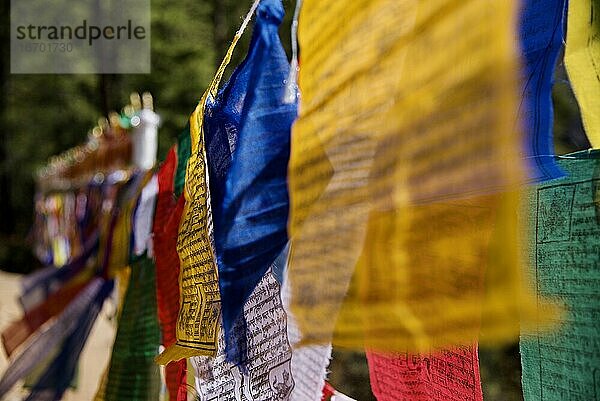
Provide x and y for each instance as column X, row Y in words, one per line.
column 588, row 151
column 215, row 83
column 247, row 18
column 291, row 92
column 295, row 31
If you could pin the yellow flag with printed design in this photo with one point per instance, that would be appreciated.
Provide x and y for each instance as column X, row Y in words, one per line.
column 404, row 175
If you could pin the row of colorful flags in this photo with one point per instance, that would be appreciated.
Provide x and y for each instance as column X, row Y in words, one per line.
column 404, row 200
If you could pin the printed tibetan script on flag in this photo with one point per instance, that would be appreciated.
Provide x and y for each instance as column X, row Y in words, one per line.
column 404, row 165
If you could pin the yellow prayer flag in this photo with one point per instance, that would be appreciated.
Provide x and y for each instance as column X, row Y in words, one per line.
column 199, row 300
column 120, row 247
column 582, row 60
column 197, row 328
column 403, row 174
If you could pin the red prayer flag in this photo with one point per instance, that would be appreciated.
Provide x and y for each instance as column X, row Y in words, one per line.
column 166, row 224
column 445, row 375
column 328, row 391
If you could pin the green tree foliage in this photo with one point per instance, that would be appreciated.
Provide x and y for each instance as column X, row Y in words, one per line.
column 42, row 115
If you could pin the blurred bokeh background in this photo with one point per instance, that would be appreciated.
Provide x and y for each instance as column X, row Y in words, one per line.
column 42, row 115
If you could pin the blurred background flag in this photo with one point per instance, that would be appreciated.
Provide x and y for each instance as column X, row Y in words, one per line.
column 49, row 336
column 58, row 376
column 20, row 330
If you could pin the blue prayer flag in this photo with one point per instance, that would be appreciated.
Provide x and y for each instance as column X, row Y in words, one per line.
column 250, row 207
column 541, row 36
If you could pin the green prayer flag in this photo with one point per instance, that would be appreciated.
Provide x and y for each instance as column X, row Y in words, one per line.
column 133, row 375
column 184, row 149
column 565, row 246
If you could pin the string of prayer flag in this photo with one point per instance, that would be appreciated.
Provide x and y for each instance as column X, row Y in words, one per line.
column 399, row 185
column 101, row 213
